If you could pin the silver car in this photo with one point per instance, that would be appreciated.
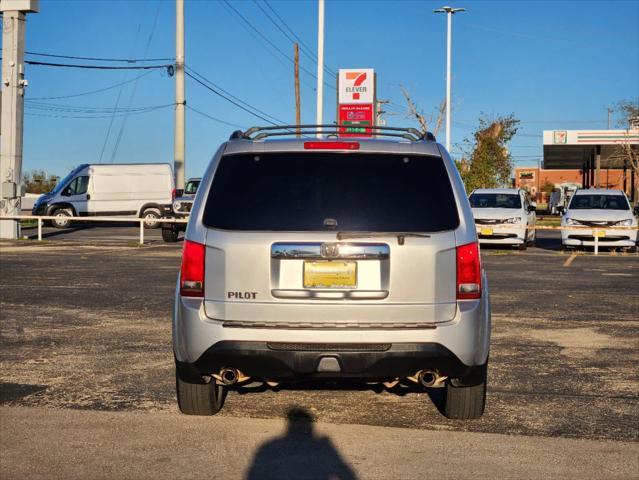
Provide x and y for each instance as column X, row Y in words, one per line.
column 601, row 214
column 331, row 258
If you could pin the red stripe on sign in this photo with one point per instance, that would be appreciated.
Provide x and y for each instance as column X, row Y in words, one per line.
column 360, row 79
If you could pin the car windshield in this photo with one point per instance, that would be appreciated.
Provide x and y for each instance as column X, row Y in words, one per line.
column 62, row 183
column 313, row 191
column 495, row 200
column 191, row 187
column 599, row 202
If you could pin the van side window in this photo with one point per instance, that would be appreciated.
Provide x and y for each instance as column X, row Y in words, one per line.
column 78, row 186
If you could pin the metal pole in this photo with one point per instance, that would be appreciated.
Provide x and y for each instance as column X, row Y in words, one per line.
column 320, row 64
column 598, row 166
column 39, row 229
column 141, row 232
column 12, row 115
column 298, row 113
column 448, row 55
column 180, row 102
column 596, row 232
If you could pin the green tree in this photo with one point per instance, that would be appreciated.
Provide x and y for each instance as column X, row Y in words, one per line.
column 489, row 163
column 548, row 188
column 39, row 181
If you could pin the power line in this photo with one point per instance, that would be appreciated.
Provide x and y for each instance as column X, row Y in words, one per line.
column 265, row 38
column 98, row 67
column 305, row 50
column 83, row 109
column 98, row 59
column 226, row 92
column 91, row 92
column 210, row 117
column 138, row 112
column 228, row 99
column 135, row 85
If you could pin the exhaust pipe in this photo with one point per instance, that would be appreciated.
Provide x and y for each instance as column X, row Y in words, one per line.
column 427, row 378
column 229, row 376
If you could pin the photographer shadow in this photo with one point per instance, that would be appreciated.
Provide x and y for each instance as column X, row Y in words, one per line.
column 299, row 453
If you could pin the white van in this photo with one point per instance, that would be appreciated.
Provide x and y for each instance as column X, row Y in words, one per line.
column 141, row 190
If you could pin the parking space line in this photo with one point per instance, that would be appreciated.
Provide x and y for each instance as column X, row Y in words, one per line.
column 570, row 259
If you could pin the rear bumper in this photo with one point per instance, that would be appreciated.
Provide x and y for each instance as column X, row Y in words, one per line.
column 285, row 361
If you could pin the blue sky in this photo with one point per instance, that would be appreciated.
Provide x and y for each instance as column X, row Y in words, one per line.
column 552, row 64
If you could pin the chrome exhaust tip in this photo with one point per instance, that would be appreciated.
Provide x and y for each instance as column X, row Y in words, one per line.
column 229, row 376
column 427, row 378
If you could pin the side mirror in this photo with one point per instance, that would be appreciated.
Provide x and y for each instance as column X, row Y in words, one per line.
column 636, row 210
column 66, row 192
column 532, row 207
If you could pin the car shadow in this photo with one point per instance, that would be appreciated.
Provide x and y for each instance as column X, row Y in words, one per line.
column 299, row 453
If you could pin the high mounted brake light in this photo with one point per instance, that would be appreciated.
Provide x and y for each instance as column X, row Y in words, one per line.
column 331, row 145
column 192, row 271
column 468, row 272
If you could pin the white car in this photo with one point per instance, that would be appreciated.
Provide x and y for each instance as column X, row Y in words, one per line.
column 596, row 212
column 504, row 216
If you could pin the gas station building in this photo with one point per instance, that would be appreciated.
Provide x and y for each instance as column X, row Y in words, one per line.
column 595, row 154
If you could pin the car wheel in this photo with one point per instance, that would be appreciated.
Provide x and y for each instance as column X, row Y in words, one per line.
column 199, row 398
column 522, row 246
column 631, row 249
column 151, row 218
column 62, row 216
column 170, row 234
column 465, row 402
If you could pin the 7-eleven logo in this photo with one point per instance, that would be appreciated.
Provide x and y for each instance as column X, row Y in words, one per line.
column 356, row 89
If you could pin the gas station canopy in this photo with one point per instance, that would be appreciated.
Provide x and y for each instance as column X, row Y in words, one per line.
column 568, row 149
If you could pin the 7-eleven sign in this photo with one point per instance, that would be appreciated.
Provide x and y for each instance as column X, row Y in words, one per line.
column 356, row 86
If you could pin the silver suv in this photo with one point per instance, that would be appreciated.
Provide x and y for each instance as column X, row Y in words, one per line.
column 331, row 258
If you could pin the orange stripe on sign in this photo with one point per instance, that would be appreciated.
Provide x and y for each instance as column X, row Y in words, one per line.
column 352, row 75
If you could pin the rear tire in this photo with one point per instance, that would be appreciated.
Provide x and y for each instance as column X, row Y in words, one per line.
column 199, row 398
column 61, row 220
column 170, row 234
column 151, row 218
column 465, row 403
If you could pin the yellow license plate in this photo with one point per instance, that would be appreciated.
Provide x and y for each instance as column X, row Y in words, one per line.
column 599, row 233
column 330, row 274
column 486, row 231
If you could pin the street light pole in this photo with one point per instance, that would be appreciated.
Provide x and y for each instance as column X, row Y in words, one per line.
column 320, row 64
column 180, row 102
column 449, row 11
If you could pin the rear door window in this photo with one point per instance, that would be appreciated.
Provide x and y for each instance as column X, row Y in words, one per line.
column 304, row 191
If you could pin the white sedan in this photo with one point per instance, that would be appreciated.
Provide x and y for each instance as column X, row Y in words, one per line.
column 504, row 216
column 601, row 213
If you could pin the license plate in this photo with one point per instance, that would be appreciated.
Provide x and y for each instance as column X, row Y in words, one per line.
column 330, row 274
column 599, row 233
column 486, row 231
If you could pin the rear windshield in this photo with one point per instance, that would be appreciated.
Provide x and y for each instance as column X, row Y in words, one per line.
column 599, row 202
column 320, row 191
column 495, row 200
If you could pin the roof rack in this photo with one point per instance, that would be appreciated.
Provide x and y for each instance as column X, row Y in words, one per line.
column 259, row 133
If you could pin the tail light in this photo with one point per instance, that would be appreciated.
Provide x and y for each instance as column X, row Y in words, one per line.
column 468, row 272
column 192, row 271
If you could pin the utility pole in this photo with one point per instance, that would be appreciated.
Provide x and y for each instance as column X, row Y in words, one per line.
column 320, row 64
column 180, row 102
column 12, row 116
column 449, row 11
column 298, row 114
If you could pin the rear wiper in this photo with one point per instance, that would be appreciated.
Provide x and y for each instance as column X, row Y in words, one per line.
column 400, row 235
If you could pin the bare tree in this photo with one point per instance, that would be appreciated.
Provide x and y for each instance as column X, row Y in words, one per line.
column 424, row 120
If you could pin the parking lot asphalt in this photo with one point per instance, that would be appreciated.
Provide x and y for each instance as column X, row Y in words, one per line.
column 88, row 327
